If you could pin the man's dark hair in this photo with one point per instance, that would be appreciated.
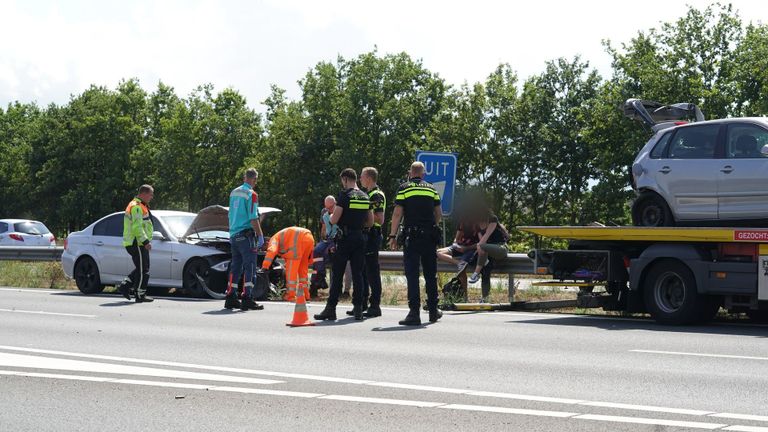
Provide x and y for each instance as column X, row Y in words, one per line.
column 349, row 173
column 146, row 188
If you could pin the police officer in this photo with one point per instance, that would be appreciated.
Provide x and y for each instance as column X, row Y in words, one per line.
column 245, row 238
column 352, row 214
column 418, row 204
column 372, row 275
column 137, row 240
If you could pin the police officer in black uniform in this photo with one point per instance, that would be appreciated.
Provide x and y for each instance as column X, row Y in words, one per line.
column 352, row 214
column 418, row 204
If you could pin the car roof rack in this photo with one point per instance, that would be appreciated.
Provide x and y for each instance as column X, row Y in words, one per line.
column 658, row 116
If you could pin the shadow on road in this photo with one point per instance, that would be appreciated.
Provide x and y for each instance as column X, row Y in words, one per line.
column 117, row 303
column 621, row 324
column 170, row 297
column 340, row 322
column 224, row 312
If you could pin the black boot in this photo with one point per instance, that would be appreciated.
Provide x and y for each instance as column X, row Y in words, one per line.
column 125, row 289
column 351, row 312
column 357, row 312
column 434, row 314
column 231, row 303
column 144, row 299
column 412, row 319
column 329, row 313
column 249, row 304
column 373, row 312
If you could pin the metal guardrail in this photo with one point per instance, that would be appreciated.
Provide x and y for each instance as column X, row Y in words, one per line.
column 389, row 261
column 30, row 253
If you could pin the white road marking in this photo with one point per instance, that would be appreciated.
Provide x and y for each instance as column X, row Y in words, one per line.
column 746, row 429
column 467, row 392
column 37, row 362
column 523, row 397
column 47, row 313
column 646, row 408
column 398, row 402
column 418, row 387
column 33, row 290
column 266, row 392
column 649, row 421
column 503, row 410
column 690, row 354
column 420, row 404
column 741, row 417
column 189, row 365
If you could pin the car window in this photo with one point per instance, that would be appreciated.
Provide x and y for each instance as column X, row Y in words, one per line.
column 33, row 228
column 744, row 141
column 3, row 227
column 694, row 142
column 111, row 226
column 661, row 146
column 157, row 226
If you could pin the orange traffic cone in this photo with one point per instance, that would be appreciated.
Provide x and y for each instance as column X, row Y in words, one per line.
column 300, row 315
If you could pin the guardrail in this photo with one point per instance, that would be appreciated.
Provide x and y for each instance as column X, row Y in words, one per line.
column 389, row 261
column 31, row 253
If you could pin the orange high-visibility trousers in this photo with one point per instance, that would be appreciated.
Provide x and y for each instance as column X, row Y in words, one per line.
column 294, row 245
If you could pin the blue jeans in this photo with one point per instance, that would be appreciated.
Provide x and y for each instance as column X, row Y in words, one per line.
column 243, row 246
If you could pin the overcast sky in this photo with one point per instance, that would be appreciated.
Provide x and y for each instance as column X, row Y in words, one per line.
column 50, row 50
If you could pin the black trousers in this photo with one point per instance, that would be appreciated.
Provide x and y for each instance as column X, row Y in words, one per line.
column 350, row 249
column 420, row 250
column 140, row 274
column 372, row 274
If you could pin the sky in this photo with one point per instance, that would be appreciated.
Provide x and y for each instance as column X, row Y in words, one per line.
column 51, row 50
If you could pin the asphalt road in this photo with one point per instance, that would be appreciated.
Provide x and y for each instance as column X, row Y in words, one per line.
column 98, row 363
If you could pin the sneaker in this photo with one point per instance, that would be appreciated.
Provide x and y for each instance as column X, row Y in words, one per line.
column 461, row 266
column 474, row 278
column 144, row 299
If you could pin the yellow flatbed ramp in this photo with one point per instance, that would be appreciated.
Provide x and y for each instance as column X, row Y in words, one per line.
column 652, row 234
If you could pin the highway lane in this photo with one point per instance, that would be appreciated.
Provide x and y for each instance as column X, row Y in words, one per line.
column 518, row 371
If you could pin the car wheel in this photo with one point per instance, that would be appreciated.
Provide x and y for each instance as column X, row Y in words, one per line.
column 190, row 282
column 671, row 296
column 87, row 277
column 651, row 210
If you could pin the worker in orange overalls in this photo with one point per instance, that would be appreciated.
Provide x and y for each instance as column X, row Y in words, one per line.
column 294, row 245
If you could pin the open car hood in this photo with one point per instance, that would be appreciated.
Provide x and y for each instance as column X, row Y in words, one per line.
column 216, row 218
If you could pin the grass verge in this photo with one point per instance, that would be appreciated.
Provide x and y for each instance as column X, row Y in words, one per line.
column 34, row 275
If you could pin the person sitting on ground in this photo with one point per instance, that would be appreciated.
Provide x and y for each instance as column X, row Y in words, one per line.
column 492, row 243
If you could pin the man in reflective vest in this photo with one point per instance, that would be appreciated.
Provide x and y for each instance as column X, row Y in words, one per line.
column 294, row 245
column 137, row 240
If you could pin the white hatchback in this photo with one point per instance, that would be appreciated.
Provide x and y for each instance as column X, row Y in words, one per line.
column 25, row 232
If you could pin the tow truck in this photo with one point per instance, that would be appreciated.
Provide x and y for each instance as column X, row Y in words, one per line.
column 679, row 275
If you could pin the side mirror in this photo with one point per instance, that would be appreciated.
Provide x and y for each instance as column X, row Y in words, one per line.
column 157, row 235
column 764, row 151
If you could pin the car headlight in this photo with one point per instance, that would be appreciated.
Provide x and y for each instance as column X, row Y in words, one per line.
column 221, row 267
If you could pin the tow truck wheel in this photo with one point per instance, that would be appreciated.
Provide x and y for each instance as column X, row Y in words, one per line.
column 650, row 210
column 671, row 295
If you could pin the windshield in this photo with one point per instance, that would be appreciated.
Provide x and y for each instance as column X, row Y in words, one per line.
column 34, row 228
column 180, row 224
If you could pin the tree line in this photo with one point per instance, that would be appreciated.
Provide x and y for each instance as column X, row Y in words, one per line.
column 552, row 149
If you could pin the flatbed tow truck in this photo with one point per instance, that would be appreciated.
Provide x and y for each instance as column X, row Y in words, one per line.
column 678, row 275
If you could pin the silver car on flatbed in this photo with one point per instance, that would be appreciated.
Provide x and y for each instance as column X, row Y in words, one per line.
column 703, row 173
